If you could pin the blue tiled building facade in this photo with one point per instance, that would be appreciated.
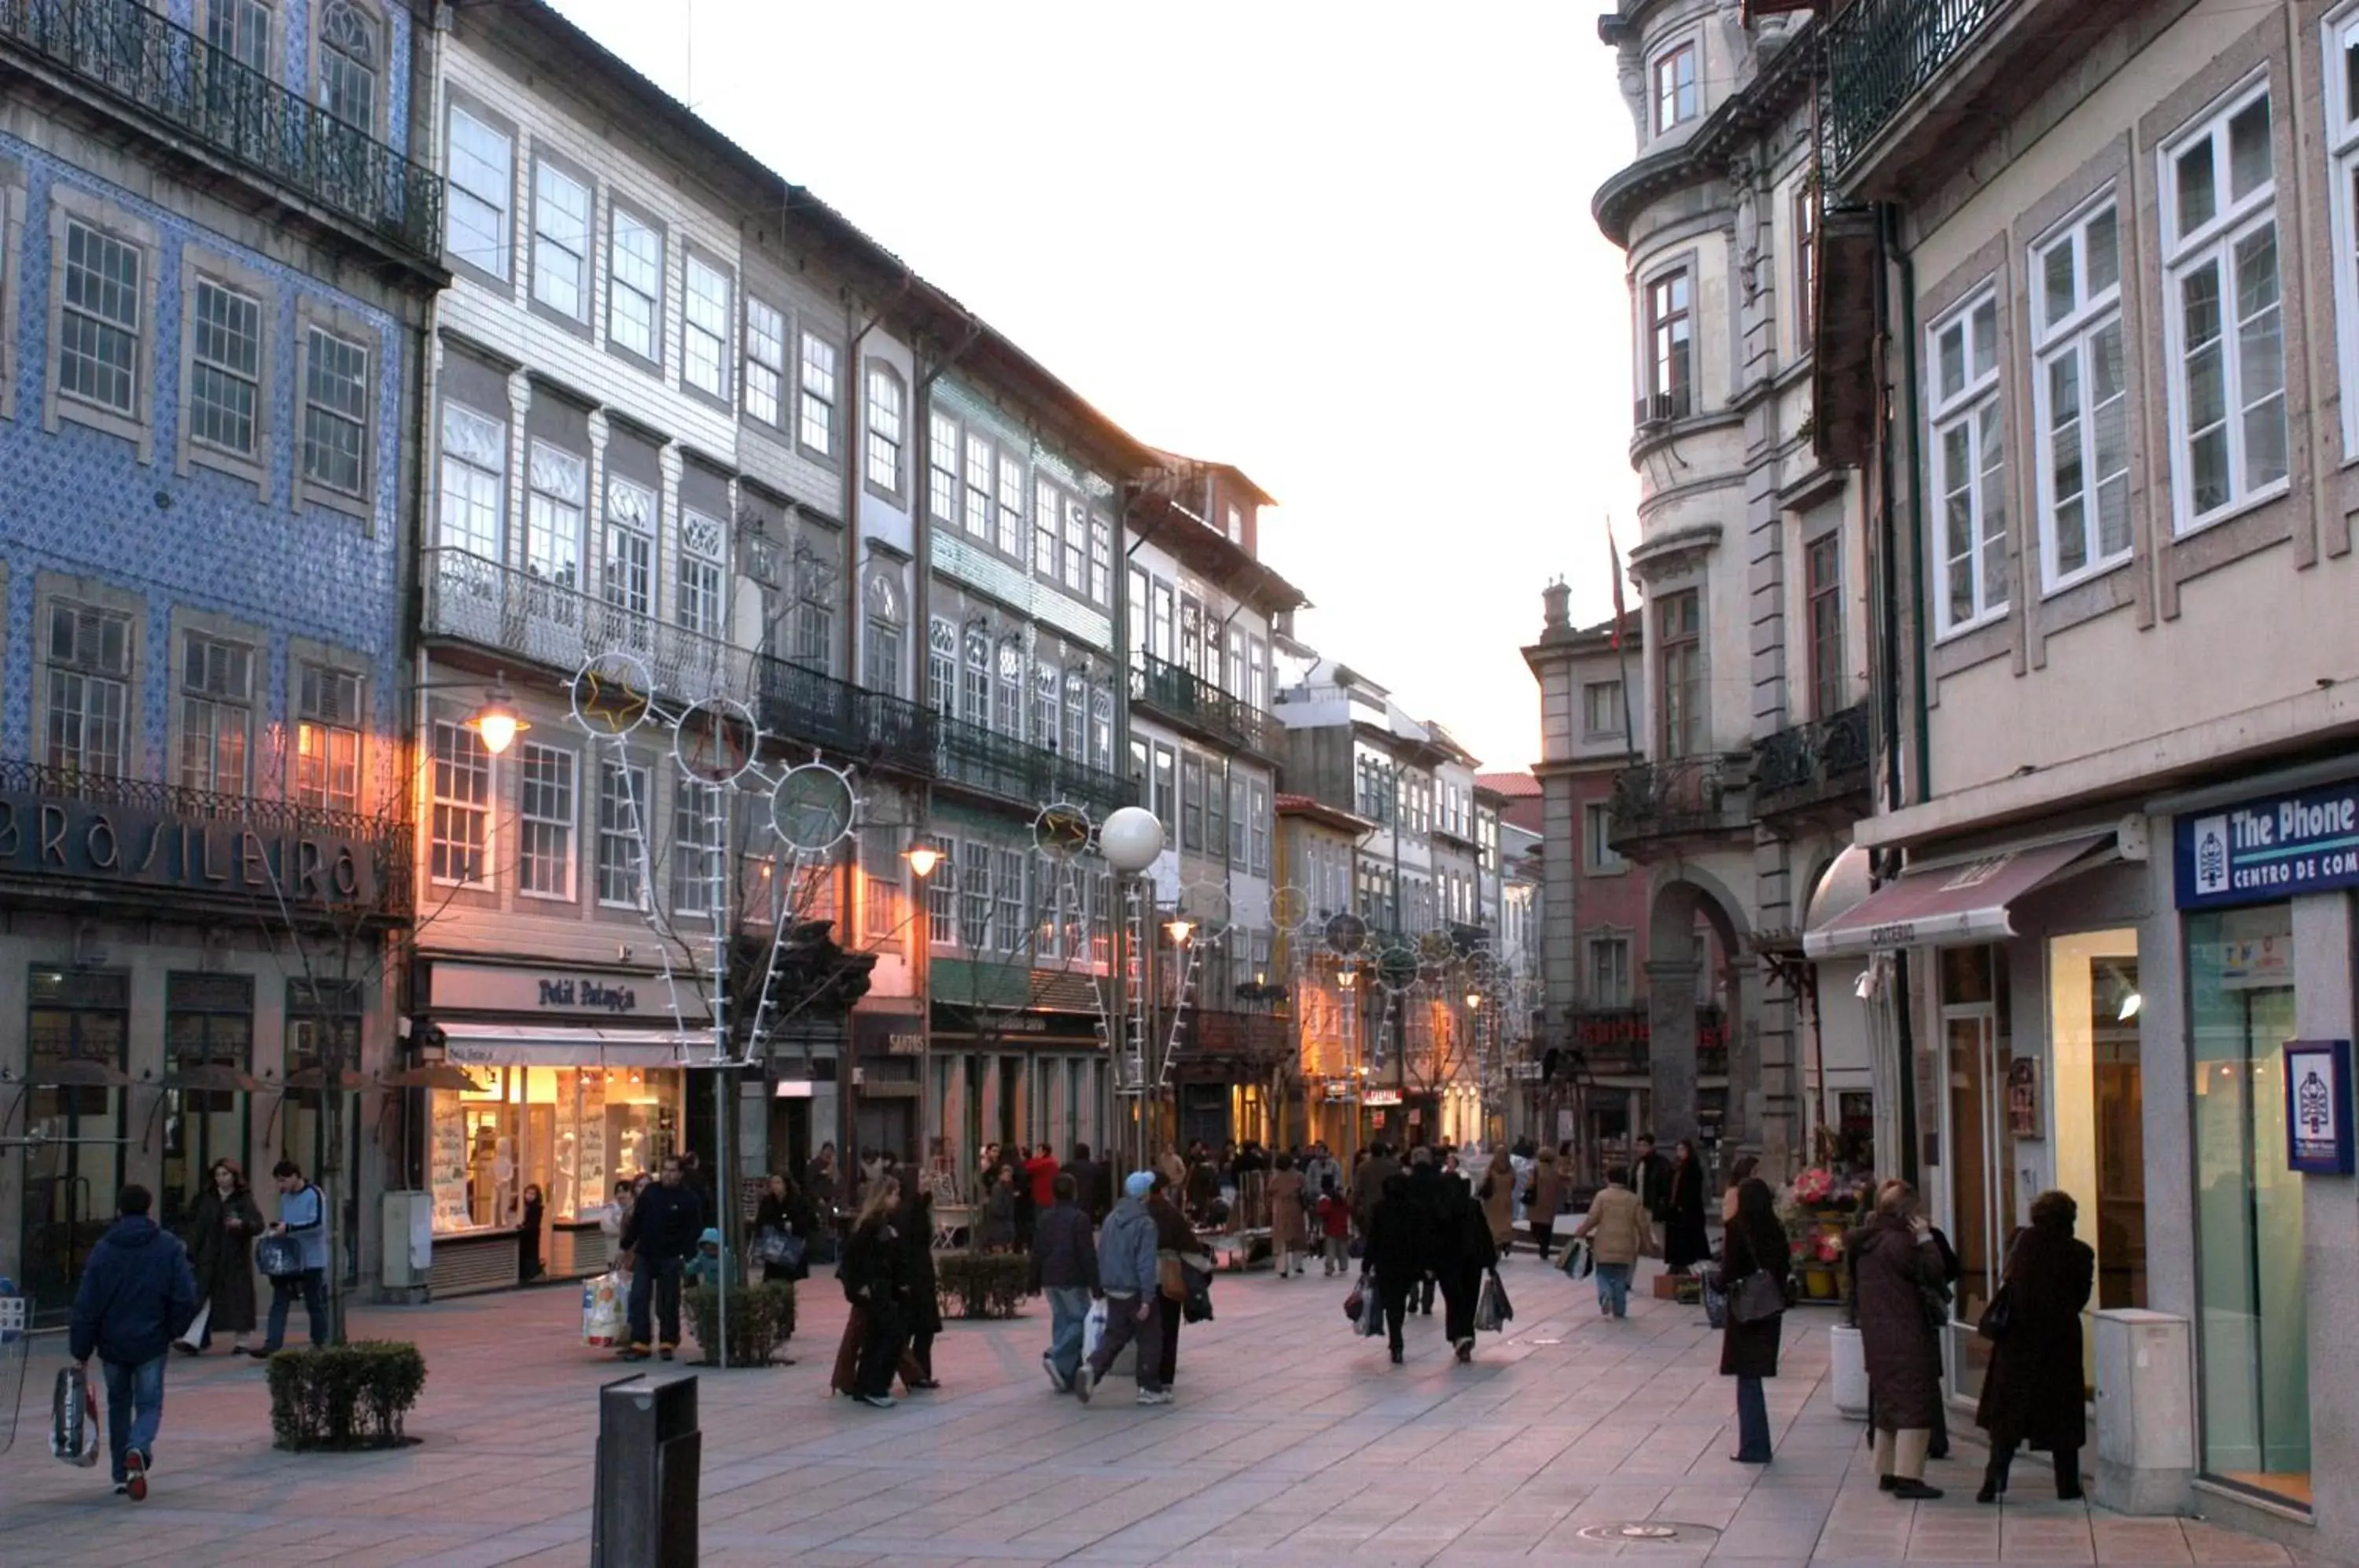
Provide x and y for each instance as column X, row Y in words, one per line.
column 215, row 265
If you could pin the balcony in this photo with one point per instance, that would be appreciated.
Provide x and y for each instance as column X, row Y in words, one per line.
column 1196, row 704
column 180, row 89
column 1616, row 1042
column 517, row 615
column 1815, row 775
column 1242, row 1041
column 1880, row 55
column 972, row 757
column 1657, row 803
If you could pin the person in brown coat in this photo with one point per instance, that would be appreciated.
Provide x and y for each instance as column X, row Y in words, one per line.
column 1289, row 1232
column 1618, row 1232
column 1897, row 1286
column 1755, row 1244
column 2032, row 1393
column 1497, row 1193
column 1548, row 1197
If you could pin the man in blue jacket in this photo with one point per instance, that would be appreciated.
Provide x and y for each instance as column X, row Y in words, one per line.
column 1126, row 1271
column 660, row 1236
column 302, row 1214
column 137, row 1295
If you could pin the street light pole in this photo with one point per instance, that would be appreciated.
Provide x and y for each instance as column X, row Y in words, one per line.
column 1129, row 839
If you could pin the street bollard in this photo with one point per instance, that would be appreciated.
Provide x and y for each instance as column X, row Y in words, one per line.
column 650, row 1456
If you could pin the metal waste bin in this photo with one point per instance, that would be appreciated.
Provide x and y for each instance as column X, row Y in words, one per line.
column 650, row 1457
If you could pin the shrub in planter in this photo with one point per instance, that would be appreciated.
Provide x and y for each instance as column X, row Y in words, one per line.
column 981, row 1284
column 761, row 1316
column 345, row 1396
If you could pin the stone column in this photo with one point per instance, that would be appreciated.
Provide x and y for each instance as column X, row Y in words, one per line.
column 1671, row 1048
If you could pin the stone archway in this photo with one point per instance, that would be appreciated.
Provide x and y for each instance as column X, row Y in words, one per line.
column 1682, row 896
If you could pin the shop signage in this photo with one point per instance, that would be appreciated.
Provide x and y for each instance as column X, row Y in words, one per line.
column 2271, row 848
column 1381, row 1097
column 2318, row 1107
column 888, row 1034
column 588, row 991
column 277, row 853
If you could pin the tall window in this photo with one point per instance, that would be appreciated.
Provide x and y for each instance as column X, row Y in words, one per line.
column 1077, row 545
column 546, row 807
column 482, row 189
column 1216, row 810
column 335, row 410
column 2224, row 324
column 2080, row 401
column 1160, row 801
column 1601, row 709
column 1102, row 727
column 814, row 624
column 1257, row 830
column 1191, row 802
column 622, row 806
column 1670, row 329
column 1077, row 698
column 635, row 268
column 883, row 435
column 941, row 896
column 704, row 328
column 1806, row 267
column 98, row 351
column 2343, row 188
column 702, row 542
column 942, row 665
column 883, row 637
column 1009, row 695
column 1101, row 560
column 347, row 64
column 1011, row 505
column 1047, row 508
column 1008, row 922
column 630, row 570
column 815, row 416
column 880, row 893
column 941, row 471
column 1679, row 643
column 216, row 712
column 1609, row 971
column 327, row 737
column 225, row 368
column 1239, row 810
column 461, row 825
column 1968, row 467
column 978, row 487
column 1675, row 88
column 561, row 241
column 974, row 896
column 765, row 362
column 1822, row 585
column 554, row 510
column 241, row 29
column 974, row 677
column 474, row 482
column 1046, row 706
column 697, row 824
column 89, row 678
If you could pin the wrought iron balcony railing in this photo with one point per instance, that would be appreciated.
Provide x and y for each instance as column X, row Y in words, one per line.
column 990, row 763
column 1880, row 55
column 560, row 627
column 1668, row 799
column 1615, row 1042
column 1812, row 764
column 167, row 77
column 1186, row 697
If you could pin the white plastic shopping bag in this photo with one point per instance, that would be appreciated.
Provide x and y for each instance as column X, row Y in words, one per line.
column 604, row 1300
column 1093, row 1328
column 73, row 1418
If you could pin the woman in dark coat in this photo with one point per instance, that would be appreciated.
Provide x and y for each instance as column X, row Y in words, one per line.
column 924, row 1308
column 871, row 1275
column 784, row 1209
column 1685, row 1243
column 2032, row 1394
column 529, row 1266
column 1748, row 1351
column 221, row 1247
column 1897, row 1287
column 1396, row 1252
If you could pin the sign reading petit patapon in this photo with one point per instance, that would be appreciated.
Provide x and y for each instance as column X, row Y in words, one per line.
column 585, row 992
column 2269, row 848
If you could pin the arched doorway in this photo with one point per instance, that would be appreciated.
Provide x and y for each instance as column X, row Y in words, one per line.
column 1695, row 990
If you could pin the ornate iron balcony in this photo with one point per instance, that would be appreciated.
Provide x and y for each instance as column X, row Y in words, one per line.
column 1694, row 795
column 990, row 763
column 1880, row 55
column 1825, row 762
column 174, row 82
column 1186, row 697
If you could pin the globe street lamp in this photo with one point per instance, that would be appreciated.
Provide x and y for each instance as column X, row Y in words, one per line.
column 1129, row 839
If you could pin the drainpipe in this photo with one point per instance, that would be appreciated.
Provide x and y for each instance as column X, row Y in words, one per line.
column 1890, row 255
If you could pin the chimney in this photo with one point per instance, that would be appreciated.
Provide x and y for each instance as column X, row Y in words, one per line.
column 1558, row 598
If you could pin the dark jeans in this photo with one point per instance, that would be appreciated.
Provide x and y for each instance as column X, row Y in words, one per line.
column 1395, row 1303
column 1544, row 1238
column 2068, row 1467
column 1123, row 1326
column 1752, row 1421
column 134, row 1409
column 654, row 1283
column 313, row 1283
column 1460, row 1288
column 1167, row 1357
column 917, row 1360
column 1425, row 1295
column 888, row 1335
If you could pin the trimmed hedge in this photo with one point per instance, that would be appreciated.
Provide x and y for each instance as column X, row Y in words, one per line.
column 761, row 1316
column 345, row 1396
column 981, row 1284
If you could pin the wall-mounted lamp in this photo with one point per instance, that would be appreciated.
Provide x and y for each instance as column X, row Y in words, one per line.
column 922, row 858
column 497, row 722
column 1180, row 927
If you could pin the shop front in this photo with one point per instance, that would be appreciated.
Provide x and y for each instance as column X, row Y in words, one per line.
column 1031, row 1077
column 577, row 1085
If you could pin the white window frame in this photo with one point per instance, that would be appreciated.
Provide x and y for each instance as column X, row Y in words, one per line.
column 2341, row 131
column 819, row 393
column 764, row 381
column 1976, row 407
column 549, row 816
column 1598, row 857
column 2074, row 336
column 625, row 800
column 329, row 736
column 1692, row 50
column 702, row 605
column 86, row 692
column 467, row 480
column 561, row 255
column 311, row 483
column 462, row 786
column 624, row 226
column 2213, row 242
column 476, row 177
column 249, row 377
column 214, row 700
column 700, row 818
column 885, row 428
column 1590, row 949
column 704, row 325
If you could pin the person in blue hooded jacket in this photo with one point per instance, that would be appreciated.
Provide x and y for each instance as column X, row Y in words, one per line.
column 138, row 1294
column 1127, row 1273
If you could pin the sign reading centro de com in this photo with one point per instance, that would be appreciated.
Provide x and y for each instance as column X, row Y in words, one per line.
column 2273, row 847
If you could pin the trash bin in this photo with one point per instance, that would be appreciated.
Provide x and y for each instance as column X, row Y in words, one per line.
column 650, row 1457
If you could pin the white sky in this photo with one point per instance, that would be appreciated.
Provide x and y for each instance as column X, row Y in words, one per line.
column 1346, row 249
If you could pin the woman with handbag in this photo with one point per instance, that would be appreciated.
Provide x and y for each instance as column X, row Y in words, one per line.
column 1755, row 1277
column 784, row 1223
column 220, row 1246
column 1897, row 1291
column 2032, row 1394
column 922, row 1307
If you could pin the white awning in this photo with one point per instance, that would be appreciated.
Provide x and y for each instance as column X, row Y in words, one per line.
column 579, row 1045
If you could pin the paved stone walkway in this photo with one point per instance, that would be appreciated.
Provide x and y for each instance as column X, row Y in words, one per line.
column 1291, row 1441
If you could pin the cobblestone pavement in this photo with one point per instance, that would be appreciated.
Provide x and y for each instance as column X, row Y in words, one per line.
column 1291, row 1441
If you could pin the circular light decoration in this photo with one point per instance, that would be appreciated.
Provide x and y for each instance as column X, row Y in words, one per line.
column 1131, row 839
column 1207, row 905
column 1397, row 968
column 713, row 741
column 1347, row 934
column 611, row 694
column 1061, row 832
column 1289, row 907
column 813, row 807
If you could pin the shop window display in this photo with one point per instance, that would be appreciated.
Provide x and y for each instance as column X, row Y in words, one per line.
column 571, row 1131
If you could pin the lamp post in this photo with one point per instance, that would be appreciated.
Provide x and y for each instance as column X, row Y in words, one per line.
column 1130, row 839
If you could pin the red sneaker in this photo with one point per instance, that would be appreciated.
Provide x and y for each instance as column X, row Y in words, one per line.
column 135, row 1476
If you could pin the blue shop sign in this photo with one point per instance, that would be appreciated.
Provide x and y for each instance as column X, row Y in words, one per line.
column 2275, row 846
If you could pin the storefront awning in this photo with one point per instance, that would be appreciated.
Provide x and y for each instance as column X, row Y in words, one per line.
column 1950, row 904
column 530, row 1045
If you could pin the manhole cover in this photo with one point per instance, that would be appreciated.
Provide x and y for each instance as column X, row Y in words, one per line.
column 1648, row 1532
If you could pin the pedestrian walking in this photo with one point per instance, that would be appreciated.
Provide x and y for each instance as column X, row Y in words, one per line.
column 137, row 1294
column 1748, row 1351
column 1203, row 1188
column 1738, row 1174
column 785, row 1210
column 1650, row 1178
column 1289, row 1232
column 1897, row 1290
column 872, row 1275
column 1498, row 1195
column 1460, row 1249
column 1368, row 1182
column 528, row 1266
column 1430, row 1188
column 913, row 1223
column 221, row 1248
column 1317, row 1167
column 1618, row 1232
column 998, row 1230
column 1065, row 1269
column 2031, row 1394
column 1127, row 1271
column 1335, row 1229
column 1686, row 1242
column 303, row 1216
column 1395, row 1255
column 1547, row 1198
column 1177, row 1251
column 660, row 1236
column 1089, row 1183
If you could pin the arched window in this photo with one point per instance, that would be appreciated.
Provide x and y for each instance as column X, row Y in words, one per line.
column 349, row 49
column 882, row 635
